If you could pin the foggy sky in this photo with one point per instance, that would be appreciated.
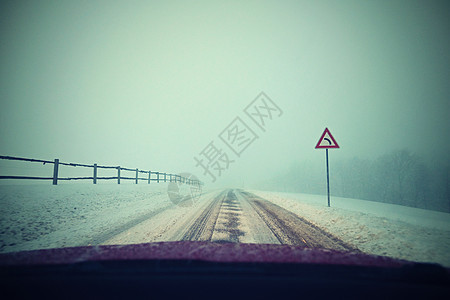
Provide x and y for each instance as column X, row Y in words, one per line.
column 150, row 84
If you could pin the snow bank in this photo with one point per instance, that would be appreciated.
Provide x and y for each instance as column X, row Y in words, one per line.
column 375, row 228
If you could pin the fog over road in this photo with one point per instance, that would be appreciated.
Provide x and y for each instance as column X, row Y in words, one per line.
column 231, row 216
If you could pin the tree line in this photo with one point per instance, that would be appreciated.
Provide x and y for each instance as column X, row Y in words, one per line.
column 398, row 177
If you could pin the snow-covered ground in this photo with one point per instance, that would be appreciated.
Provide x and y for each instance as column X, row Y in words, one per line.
column 75, row 214
column 47, row 216
column 376, row 228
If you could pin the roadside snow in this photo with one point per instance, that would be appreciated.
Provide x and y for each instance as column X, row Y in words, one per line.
column 47, row 216
column 375, row 228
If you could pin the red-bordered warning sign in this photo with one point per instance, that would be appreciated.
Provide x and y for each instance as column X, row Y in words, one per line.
column 326, row 141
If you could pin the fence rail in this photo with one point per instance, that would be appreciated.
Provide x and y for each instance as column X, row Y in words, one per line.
column 159, row 176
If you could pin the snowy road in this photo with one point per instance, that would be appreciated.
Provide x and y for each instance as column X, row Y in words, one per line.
column 69, row 215
column 233, row 216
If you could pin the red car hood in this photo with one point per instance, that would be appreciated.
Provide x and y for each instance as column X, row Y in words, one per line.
column 200, row 251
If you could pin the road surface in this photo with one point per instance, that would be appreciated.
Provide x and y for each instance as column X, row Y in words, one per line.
column 230, row 216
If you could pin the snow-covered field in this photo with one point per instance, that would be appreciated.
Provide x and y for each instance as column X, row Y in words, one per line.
column 47, row 216
column 376, row 228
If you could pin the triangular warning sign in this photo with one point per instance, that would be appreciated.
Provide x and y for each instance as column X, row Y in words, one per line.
column 326, row 141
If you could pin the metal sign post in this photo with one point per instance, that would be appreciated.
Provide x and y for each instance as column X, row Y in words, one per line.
column 326, row 142
column 328, row 180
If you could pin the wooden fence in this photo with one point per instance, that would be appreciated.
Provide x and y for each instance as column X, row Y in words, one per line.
column 150, row 175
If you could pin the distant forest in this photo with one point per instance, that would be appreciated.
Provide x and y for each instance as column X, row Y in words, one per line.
column 399, row 177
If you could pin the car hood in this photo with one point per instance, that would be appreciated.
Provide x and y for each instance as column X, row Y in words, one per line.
column 198, row 251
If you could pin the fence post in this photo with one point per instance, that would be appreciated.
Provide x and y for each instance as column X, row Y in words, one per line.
column 95, row 173
column 157, row 177
column 149, row 175
column 164, row 177
column 55, row 171
column 137, row 175
column 118, row 175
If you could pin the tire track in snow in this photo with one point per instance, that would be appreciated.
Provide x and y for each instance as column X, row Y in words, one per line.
column 203, row 227
column 291, row 229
